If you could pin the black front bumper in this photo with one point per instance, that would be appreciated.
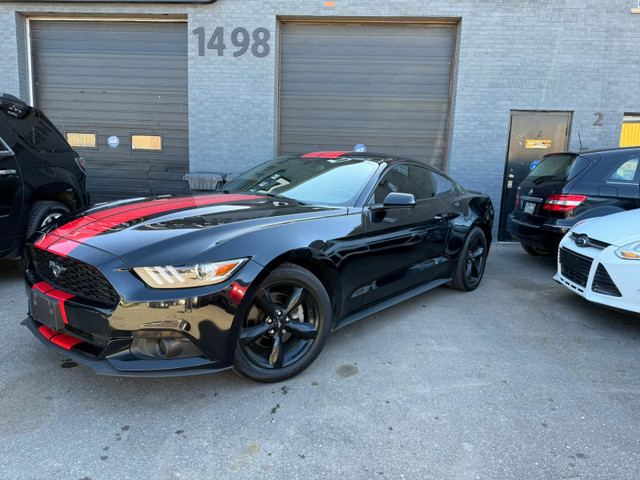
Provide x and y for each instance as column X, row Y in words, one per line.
column 124, row 364
column 104, row 336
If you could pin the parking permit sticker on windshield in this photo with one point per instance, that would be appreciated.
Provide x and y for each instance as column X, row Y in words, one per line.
column 537, row 144
column 360, row 148
column 534, row 164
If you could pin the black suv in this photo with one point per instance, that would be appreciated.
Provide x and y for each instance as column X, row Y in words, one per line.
column 41, row 176
column 568, row 187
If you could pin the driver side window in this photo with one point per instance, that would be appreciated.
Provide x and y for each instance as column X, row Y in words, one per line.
column 412, row 179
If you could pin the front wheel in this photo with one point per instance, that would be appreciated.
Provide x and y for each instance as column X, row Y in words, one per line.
column 472, row 260
column 43, row 213
column 285, row 327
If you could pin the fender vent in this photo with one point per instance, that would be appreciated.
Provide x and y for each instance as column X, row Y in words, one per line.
column 602, row 283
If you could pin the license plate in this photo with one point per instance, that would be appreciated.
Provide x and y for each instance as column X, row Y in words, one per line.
column 529, row 207
column 46, row 310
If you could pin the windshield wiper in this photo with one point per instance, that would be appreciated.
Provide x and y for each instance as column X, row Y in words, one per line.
column 542, row 178
column 260, row 194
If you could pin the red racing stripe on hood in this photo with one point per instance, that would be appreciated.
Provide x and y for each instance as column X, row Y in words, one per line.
column 82, row 229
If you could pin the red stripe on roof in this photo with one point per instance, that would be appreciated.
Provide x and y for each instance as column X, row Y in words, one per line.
column 47, row 332
column 82, row 229
column 65, row 341
column 325, row 154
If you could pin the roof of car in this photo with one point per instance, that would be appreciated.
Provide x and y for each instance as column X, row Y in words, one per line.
column 376, row 157
column 596, row 150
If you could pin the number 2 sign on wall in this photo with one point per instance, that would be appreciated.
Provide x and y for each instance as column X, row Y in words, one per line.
column 240, row 38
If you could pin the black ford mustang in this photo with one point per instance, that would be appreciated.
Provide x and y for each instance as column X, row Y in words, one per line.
column 256, row 276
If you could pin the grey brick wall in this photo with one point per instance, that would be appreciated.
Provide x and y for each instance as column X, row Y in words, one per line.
column 575, row 55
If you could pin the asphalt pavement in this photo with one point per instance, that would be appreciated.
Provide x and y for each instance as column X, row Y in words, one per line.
column 520, row 379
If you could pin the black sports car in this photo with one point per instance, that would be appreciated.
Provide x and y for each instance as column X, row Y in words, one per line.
column 255, row 276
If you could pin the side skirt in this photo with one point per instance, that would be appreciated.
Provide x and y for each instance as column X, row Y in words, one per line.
column 390, row 302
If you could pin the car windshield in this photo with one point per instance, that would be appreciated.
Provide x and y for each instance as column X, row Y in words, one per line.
column 326, row 181
column 558, row 168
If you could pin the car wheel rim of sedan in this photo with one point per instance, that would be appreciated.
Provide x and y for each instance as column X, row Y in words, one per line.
column 475, row 260
column 280, row 326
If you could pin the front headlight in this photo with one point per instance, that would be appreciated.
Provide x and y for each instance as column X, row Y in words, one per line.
column 629, row 252
column 186, row 276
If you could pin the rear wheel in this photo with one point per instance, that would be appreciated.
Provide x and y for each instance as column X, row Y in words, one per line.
column 535, row 251
column 43, row 213
column 285, row 327
column 472, row 260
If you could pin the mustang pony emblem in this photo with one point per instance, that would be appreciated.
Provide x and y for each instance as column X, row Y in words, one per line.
column 56, row 268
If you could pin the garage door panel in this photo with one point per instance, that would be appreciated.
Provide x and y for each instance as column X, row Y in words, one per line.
column 383, row 141
column 96, row 75
column 128, row 120
column 358, row 105
column 387, row 86
column 117, row 79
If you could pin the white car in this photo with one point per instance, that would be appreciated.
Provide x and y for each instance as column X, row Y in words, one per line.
column 599, row 259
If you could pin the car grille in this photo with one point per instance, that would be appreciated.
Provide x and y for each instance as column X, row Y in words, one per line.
column 575, row 267
column 602, row 283
column 77, row 278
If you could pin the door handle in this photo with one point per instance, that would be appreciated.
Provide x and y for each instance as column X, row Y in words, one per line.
column 4, row 173
column 445, row 216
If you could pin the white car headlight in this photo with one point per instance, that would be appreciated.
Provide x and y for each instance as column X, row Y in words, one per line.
column 629, row 252
column 186, row 276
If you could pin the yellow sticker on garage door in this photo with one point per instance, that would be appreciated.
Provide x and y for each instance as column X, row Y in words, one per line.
column 537, row 144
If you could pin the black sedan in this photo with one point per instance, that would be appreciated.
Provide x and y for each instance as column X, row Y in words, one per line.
column 256, row 276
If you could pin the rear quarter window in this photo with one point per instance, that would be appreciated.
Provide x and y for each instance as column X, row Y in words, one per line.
column 626, row 172
column 39, row 133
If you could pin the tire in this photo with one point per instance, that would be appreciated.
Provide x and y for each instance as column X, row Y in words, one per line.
column 471, row 262
column 43, row 213
column 285, row 327
column 535, row 251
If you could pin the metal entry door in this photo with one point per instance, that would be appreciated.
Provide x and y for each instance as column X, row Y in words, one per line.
column 531, row 136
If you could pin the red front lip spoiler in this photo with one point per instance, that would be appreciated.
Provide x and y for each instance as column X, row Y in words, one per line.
column 62, row 339
column 105, row 367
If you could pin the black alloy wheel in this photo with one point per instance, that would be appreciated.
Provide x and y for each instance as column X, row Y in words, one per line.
column 285, row 326
column 472, row 260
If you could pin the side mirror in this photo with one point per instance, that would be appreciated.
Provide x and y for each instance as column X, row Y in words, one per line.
column 397, row 199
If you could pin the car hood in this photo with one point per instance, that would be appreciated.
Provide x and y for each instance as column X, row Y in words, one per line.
column 618, row 229
column 172, row 229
